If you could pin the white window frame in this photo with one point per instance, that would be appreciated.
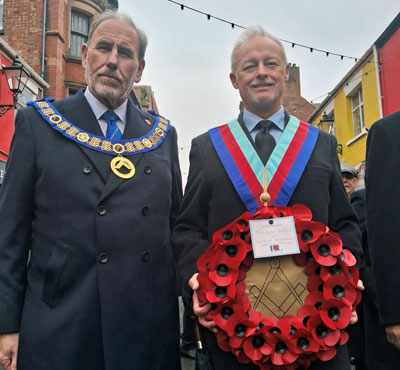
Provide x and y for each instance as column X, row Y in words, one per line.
column 358, row 109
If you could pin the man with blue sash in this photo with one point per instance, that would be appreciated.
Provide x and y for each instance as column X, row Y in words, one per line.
column 227, row 166
column 93, row 186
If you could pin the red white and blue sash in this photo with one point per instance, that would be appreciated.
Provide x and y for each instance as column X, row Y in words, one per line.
column 284, row 167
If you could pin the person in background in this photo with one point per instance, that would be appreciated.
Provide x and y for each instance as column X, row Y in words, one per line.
column 349, row 177
column 92, row 188
column 211, row 201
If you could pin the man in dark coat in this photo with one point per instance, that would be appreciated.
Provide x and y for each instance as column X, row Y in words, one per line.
column 259, row 72
column 383, row 222
column 87, row 277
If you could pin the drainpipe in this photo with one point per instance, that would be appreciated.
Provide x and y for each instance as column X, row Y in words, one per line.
column 378, row 81
column 43, row 39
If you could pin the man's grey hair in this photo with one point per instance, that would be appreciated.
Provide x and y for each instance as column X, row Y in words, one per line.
column 112, row 14
column 249, row 33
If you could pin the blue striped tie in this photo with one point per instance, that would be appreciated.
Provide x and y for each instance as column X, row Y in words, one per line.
column 113, row 132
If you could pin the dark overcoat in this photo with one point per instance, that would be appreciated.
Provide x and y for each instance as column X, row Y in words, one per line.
column 211, row 202
column 383, row 225
column 99, row 289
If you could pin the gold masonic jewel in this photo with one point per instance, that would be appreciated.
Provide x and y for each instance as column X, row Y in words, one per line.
column 119, row 162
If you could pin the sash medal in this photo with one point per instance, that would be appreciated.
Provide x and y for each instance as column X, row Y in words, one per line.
column 284, row 167
column 127, row 147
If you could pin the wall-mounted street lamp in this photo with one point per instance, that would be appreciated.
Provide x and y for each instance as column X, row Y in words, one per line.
column 325, row 123
column 17, row 77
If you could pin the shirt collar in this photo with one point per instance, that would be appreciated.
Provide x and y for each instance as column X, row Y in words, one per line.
column 250, row 119
column 99, row 108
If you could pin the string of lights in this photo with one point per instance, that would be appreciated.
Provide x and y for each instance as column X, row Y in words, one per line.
column 292, row 43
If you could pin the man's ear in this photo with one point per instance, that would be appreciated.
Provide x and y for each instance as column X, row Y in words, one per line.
column 287, row 72
column 84, row 50
column 139, row 72
column 233, row 80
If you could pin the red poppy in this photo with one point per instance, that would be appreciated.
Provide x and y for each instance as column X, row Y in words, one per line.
column 326, row 248
column 283, row 352
column 301, row 213
column 344, row 337
column 338, row 287
column 312, row 268
column 222, row 340
column 272, row 212
column 314, row 283
column 339, row 268
column 256, row 346
column 215, row 293
column 235, row 250
column 223, row 272
column 302, row 258
column 314, row 299
column 305, row 312
column 328, row 354
column 348, row 258
column 241, row 326
column 303, row 342
column 226, row 234
column 322, row 334
column 335, row 314
column 241, row 356
column 222, row 313
column 308, row 232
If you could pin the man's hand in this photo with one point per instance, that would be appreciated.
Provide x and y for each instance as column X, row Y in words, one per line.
column 354, row 316
column 201, row 311
column 393, row 335
column 9, row 350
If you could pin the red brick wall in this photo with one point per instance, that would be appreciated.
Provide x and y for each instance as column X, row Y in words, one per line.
column 293, row 102
column 22, row 25
column 27, row 15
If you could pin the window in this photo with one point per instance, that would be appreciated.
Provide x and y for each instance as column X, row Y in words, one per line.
column 79, row 32
column 1, row 14
column 357, row 106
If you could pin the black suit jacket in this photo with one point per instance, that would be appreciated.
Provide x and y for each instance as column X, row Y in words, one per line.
column 211, row 202
column 99, row 291
column 382, row 224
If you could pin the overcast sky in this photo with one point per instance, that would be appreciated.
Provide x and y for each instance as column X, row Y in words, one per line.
column 188, row 56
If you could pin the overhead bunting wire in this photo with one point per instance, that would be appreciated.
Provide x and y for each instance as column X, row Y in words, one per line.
column 233, row 25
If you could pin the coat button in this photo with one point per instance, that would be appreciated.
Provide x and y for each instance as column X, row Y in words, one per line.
column 101, row 210
column 145, row 256
column 87, row 169
column 145, row 211
column 147, row 170
column 103, row 258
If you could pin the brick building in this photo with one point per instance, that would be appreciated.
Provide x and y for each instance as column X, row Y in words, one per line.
column 50, row 34
column 293, row 102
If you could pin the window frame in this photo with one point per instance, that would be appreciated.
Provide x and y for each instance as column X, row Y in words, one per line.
column 1, row 14
column 359, row 108
column 78, row 33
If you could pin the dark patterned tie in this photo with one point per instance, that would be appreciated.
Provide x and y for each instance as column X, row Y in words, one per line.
column 265, row 142
column 113, row 132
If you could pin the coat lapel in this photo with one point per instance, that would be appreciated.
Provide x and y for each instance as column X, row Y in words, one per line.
column 77, row 110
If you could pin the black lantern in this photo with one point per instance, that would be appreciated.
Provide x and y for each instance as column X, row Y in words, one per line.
column 17, row 77
column 326, row 123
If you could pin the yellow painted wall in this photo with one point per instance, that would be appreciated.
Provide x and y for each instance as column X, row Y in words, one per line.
column 354, row 152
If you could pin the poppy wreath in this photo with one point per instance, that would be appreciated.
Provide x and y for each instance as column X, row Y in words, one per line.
column 291, row 342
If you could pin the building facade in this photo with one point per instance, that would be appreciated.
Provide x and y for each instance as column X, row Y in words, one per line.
column 369, row 91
